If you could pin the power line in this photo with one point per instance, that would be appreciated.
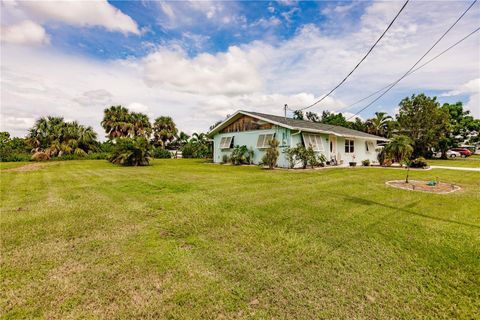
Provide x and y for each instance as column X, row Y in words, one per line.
column 418, row 61
column 358, row 64
column 415, row 70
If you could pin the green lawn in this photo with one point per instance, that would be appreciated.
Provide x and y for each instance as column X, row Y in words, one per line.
column 186, row 240
column 472, row 162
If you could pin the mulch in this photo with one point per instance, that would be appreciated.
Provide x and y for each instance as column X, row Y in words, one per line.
column 422, row 186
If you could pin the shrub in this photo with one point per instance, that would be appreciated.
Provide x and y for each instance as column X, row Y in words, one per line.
column 271, row 154
column 40, row 156
column 225, row 158
column 80, row 153
column 322, row 159
column 399, row 149
column 15, row 157
column 131, row 152
column 161, row 153
column 297, row 155
column 240, row 155
column 97, row 156
column 366, row 163
column 418, row 163
column 13, row 149
column 311, row 158
column 195, row 149
column 381, row 157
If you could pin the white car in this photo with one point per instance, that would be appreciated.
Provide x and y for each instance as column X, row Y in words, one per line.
column 450, row 154
column 453, row 154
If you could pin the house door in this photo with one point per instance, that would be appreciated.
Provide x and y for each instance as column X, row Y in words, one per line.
column 333, row 146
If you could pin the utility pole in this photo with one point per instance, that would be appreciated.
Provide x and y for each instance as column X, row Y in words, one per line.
column 285, row 110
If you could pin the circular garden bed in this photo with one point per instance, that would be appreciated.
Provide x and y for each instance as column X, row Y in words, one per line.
column 424, row 186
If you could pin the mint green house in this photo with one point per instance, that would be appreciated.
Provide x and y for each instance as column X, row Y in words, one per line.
column 254, row 130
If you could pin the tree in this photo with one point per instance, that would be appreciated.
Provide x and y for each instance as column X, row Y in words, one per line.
column 131, row 151
column 140, row 125
column 421, row 118
column 56, row 137
column 298, row 115
column 117, row 122
column 199, row 146
column 164, row 131
column 183, row 138
column 358, row 124
column 464, row 128
column 399, row 148
column 271, row 154
column 312, row 116
column 378, row 125
column 336, row 119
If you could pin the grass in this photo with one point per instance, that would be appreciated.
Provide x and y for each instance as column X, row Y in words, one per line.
column 472, row 162
column 186, row 240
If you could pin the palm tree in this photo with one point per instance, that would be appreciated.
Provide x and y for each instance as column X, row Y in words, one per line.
column 117, row 122
column 379, row 124
column 164, row 131
column 183, row 138
column 56, row 137
column 140, row 125
column 399, row 148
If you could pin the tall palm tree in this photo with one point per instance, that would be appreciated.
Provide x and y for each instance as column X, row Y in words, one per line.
column 141, row 126
column 164, row 131
column 117, row 122
column 378, row 125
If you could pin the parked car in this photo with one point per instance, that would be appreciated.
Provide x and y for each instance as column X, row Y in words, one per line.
column 453, row 154
column 463, row 151
column 450, row 154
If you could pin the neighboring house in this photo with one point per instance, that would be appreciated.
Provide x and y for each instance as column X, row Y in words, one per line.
column 254, row 130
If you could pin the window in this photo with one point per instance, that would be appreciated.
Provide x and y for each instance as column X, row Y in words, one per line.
column 263, row 140
column 226, row 142
column 369, row 146
column 314, row 141
column 349, row 146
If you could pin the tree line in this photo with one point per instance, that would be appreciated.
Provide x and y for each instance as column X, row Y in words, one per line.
column 131, row 140
column 428, row 125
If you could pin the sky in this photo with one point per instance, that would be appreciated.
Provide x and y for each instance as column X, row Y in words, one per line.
column 199, row 61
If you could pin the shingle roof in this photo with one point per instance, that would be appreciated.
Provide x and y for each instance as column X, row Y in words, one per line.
column 305, row 125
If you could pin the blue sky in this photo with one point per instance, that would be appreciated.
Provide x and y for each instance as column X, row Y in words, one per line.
column 251, row 21
column 199, row 61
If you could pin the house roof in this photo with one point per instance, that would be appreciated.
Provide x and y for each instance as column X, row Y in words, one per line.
column 301, row 125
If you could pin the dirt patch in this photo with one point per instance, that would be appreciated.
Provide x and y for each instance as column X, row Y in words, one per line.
column 27, row 167
column 424, row 186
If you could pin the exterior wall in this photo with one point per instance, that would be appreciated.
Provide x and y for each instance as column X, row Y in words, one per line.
column 249, row 139
column 288, row 138
column 360, row 151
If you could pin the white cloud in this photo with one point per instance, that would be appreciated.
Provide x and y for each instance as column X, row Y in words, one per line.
column 229, row 73
column 188, row 14
column 25, row 32
column 167, row 9
column 78, row 13
column 471, row 88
